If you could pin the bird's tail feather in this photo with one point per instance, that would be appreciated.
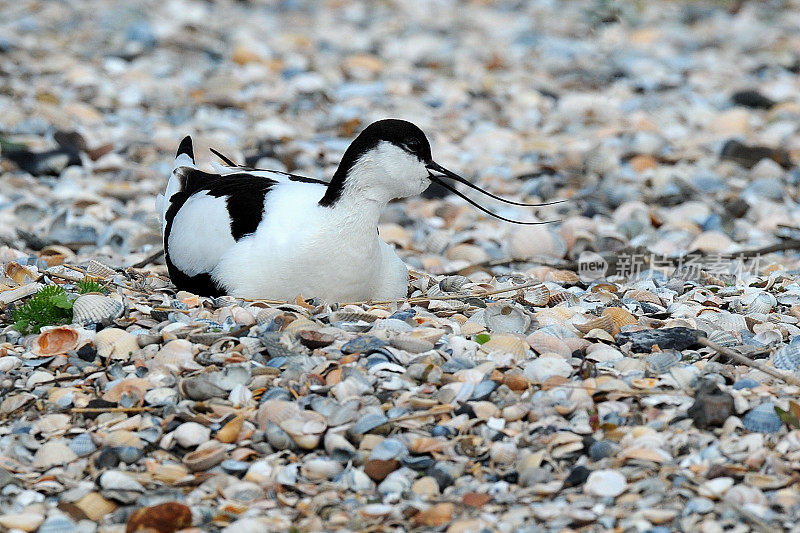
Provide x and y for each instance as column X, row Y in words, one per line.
column 184, row 158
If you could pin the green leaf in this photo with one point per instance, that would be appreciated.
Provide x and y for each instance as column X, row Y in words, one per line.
column 89, row 285
column 61, row 301
column 482, row 338
column 789, row 418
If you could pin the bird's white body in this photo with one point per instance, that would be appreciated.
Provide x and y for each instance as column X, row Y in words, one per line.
column 299, row 246
column 302, row 247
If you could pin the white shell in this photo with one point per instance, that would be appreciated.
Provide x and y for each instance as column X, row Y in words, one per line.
column 96, row 309
column 115, row 343
column 53, row 453
column 190, row 434
column 605, row 483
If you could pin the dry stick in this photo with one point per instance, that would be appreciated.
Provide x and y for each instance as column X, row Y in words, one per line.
column 758, row 365
column 147, row 260
column 111, row 409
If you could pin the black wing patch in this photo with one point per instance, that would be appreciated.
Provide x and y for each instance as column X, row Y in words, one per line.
column 244, row 196
column 245, row 203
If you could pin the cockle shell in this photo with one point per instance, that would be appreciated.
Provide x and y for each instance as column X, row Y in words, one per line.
column 512, row 344
column 506, row 318
column 759, row 302
column 787, row 357
column 537, row 296
column 53, row 453
column 205, row 457
column 52, row 425
column 641, row 295
column 56, row 340
column 411, row 343
column 96, row 309
column 621, row 317
column 585, row 324
column 762, row 419
column 541, row 343
column 95, row 506
column 178, row 354
column 115, row 343
column 661, row 362
column 24, row 521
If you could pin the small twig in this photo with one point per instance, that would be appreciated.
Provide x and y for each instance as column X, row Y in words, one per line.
column 147, row 260
column 757, row 523
column 73, row 279
column 438, row 410
column 758, row 365
column 111, row 409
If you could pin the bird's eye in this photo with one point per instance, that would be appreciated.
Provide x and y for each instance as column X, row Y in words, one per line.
column 412, row 145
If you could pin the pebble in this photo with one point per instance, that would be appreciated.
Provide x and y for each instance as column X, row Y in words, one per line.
column 586, row 388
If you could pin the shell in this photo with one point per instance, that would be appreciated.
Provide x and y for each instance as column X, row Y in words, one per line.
column 178, row 354
column 338, row 447
column 82, row 444
column 605, row 483
column 115, row 343
column 787, row 357
column 320, row 469
column 411, row 343
column 512, row 344
column 161, row 396
column 503, row 452
column 742, row 495
column 57, row 524
column 122, row 437
column 762, row 419
column 759, row 302
column 641, row 295
column 661, row 362
column 388, row 449
column 53, row 453
column 454, row 283
column 276, row 411
column 724, row 338
column 56, row 340
column 96, row 309
column 191, row 434
column 541, row 343
column 95, row 506
column 369, row 422
column 25, row 521
column 539, row 370
column 586, row 324
column 118, row 480
column 52, row 425
column 537, row 296
column 506, row 318
column 205, row 457
column 230, row 431
column 621, row 317
column 566, row 277
column 306, row 428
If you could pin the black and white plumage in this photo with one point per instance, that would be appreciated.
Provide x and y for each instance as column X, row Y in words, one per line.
column 268, row 234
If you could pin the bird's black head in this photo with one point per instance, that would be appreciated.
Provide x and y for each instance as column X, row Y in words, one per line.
column 392, row 158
